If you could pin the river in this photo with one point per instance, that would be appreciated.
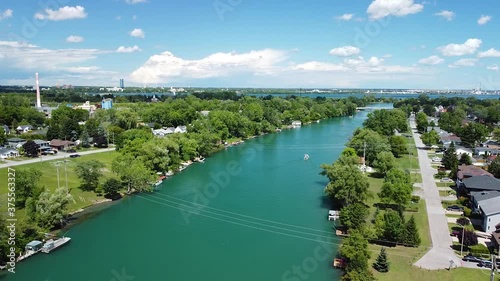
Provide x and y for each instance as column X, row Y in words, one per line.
column 255, row 211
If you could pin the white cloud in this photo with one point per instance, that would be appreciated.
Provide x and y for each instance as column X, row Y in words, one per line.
column 137, row 32
column 357, row 65
column 165, row 66
column 493, row 67
column 6, row 14
column 491, row 53
column 123, row 49
column 463, row 62
column 469, row 47
column 346, row 17
column 135, row 1
column 447, row 15
column 483, row 20
column 134, row 17
column 382, row 8
column 64, row 13
column 432, row 60
column 345, row 51
column 74, row 39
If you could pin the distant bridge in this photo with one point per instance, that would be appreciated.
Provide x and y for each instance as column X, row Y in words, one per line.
column 374, row 108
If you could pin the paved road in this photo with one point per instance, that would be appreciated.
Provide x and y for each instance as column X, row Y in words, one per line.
column 440, row 255
column 60, row 155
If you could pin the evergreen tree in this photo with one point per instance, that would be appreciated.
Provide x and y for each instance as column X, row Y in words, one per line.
column 381, row 264
column 450, row 159
column 84, row 138
column 411, row 236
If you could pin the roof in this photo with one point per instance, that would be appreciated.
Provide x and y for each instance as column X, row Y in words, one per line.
column 471, row 171
column 490, row 206
column 480, row 196
column 34, row 243
column 40, row 141
column 25, row 127
column 56, row 142
column 482, row 183
column 7, row 150
column 15, row 140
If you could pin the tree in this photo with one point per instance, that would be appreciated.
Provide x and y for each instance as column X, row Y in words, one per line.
column 463, row 221
column 386, row 122
column 429, row 109
column 411, row 236
column 355, row 251
column 84, row 138
column 31, row 148
column 369, row 143
column 470, row 238
column 381, row 264
column 393, row 226
column 133, row 173
column 465, row 159
column 27, row 185
column 384, row 162
column 349, row 152
column 430, row 138
column 89, row 173
column 472, row 133
column 450, row 159
column 354, row 216
column 101, row 138
column 3, row 136
column 347, row 183
column 421, row 120
column 399, row 145
column 397, row 188
column 111, row 188
column 494, row 167
column 496, row 134
column 50, row 208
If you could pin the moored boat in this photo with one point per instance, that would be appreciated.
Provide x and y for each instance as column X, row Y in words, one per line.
column 51, row 244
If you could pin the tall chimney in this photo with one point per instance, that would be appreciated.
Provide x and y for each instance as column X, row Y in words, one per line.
column 38, row 100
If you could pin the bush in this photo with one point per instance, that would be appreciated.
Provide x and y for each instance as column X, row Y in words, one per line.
column 441, row 174
column 467, row 212
column 464, row 201
column 415, row 198
column 470, row 238
column 463, row 221
column 479, row 249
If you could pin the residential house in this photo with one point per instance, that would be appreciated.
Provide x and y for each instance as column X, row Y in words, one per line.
column 15, row 142
column 468, row 171
column 479, row 183
column 43, row 145
column 205, row 113
column 6, row 129
column 447, row 139
column 8, row 153
column 24, row 129
column 437, row 129
column 487, row 151
column 487, row 204
column 181, row 129
column 61, row 144
column 161, row 132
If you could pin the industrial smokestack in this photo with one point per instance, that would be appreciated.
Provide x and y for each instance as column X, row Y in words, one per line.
column 38, row 100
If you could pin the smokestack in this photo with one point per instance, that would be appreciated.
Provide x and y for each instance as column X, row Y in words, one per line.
column 38, row 100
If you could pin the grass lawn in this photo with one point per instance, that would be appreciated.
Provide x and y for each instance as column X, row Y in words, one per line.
column 49, row 179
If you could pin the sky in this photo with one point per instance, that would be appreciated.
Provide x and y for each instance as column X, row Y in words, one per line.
column 399, row 44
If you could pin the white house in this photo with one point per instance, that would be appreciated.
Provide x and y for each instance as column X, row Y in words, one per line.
column 24, row 129
column 181, row 129
column 8, row 153
column 487, row 204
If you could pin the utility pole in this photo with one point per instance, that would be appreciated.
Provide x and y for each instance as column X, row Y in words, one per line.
column 462, row 244
column 364, row 157
column 493, row 267
column 57, row 167
column 66, row 172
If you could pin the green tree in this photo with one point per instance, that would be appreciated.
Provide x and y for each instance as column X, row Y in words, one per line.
column 101, row 138
column 393, row 226
column 349, row 152
column 494, row 167
column 3, row 136
column 399, row 145
column 27, row 185
column 384, row 162
column 354, row 216
column 133, row 173
column 421, row 120
column 89, row 173
column 496, row 134
column 50, row 208
column 369, row 143
column 84, row 138
column 397, row 188
column 473, row 133
column 411, row 236
column 381, row 264
column 386, row 122
column 31, row 148
column 111, row 188
column 429, row 109
column 347, row 183
column 430, row 138
column 450, row 158
column 355, row 251
column 465, row 159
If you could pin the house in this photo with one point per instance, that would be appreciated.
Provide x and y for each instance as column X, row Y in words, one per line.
column 6, row 129
column 8, row 153
column 42, row 144
column 296, row 124
column 24, row 129
column 107, row 104
column 462, row 150
column 47, row 110
column 468, row 171
column 437, row 129
column 181, row 129
column 491, row 144
column 161, row 132
column 86, row 106
column 480, row 183
column 486, row 151
column 15, row 142
column 447, row 139
column 487, row 204
column 61, row 144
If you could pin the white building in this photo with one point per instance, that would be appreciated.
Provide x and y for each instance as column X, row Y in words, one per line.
column 8, row 153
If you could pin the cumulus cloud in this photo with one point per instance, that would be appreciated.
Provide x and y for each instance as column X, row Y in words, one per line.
column 469, row 47
column 74, row 39
column 357, row 65
column 491, row 53
column 463, row 62
column 432, row 60
column 6, row 14
column 137, row 32
column 483, row 20
column 493, row 67
column 346, row 17
column 345, row 51
column 64, row 13
column 165, row 66
column 379, row 9
column 123, row 49
column 447, row 15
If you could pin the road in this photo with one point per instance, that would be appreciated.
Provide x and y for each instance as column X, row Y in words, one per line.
column 59, row 155
column 440, row 255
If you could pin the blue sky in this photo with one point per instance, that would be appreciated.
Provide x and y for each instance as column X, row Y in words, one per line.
column 432, row 44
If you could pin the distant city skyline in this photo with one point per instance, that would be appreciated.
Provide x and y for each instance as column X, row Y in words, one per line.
column 370, row 44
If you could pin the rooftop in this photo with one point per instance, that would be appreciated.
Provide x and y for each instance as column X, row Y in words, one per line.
column 467, row 171
column 490, row 206
column 482, row 183
column 480, row 196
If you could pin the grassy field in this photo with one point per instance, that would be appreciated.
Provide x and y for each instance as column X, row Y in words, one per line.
column 49, row 179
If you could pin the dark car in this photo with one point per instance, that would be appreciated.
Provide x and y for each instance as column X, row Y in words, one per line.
column 484, row 264
column 455, row 208
column 74, row 155
column 70, row 151
column 471, row 258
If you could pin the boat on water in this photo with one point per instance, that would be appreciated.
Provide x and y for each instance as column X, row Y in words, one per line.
column 51, row 244
column 306, row 156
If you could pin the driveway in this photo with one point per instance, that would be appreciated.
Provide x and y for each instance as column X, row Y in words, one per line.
column 60, row 155
column 440, row 254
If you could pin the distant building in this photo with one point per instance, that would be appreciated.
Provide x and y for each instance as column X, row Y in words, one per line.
column 47, row 110
column 87, row 106
column 24, row 129
column 107, row 104
column 114, row 89
column 61, row 144
column 122, row 83
column 8, row 153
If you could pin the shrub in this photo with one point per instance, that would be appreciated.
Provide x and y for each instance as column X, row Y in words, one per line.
column 415, row 198
column 463, row 221
column 470, row 238
column 441, row 174
column 464, row 201
column 479, row 249
column 467, row 212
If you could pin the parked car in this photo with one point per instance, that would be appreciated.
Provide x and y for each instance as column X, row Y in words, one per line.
column 74, row 155
column 484, row 264
column 471, row 258
column 455, row 208
column 70, row 151
column 445, row 180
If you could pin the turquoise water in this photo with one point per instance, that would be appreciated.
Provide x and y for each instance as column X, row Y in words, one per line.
column 252, row 212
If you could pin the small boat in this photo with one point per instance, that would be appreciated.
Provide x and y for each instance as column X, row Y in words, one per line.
column 306, row 156
column 51, row 245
